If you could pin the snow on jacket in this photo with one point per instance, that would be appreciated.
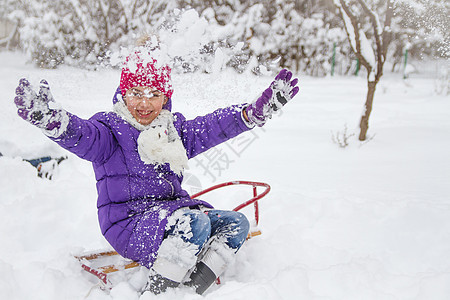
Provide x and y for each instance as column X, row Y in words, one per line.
column 134, row 198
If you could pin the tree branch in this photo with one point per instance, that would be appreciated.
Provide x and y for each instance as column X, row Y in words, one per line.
column 124, row 16
column 345, row 9
column 377, row 35
column 387, row 32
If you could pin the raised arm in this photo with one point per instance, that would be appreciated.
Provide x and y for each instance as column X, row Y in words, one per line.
column 205, row 132
column 89, row 139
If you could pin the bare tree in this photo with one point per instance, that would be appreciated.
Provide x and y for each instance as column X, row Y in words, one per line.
column 357, row 15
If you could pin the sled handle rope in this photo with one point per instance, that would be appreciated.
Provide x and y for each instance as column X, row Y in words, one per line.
column 102, row 272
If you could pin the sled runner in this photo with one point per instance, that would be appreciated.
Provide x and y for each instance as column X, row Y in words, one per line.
column 101, row 264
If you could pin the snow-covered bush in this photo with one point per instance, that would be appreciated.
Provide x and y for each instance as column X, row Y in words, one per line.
column 256, row 35
column 278, row 33
column 244, row 35
column 78, row 32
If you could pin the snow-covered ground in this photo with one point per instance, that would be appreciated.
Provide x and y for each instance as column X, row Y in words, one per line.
column 370, row 221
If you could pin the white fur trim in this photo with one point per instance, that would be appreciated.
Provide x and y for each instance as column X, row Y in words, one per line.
column 217, row 255
column 158, row 142
column 169, row 270
column 176, row 256
column 215, row 261
column 56, row 132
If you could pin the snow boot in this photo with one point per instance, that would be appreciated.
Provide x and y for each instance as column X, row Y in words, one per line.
column 165, row 274
column 211, row 265
column 202, row 278
column 158, row 284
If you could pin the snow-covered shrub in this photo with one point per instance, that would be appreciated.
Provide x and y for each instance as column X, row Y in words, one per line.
column 271, row 34
column 245, row 35
column 43, row 39
column 78, row 31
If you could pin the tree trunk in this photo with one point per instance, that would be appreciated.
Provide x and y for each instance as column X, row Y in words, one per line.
column 364, row 124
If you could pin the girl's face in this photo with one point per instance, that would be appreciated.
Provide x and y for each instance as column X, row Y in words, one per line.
column 144, row 103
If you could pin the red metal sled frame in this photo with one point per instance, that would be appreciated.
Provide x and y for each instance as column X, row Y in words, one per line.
column 101, row 273
column 254, row 200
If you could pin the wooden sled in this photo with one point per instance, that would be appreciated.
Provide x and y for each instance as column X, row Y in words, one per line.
column 101, row 264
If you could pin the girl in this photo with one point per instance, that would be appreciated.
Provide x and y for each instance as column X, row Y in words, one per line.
column 139, row 151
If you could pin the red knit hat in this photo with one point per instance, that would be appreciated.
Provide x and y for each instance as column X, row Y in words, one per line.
column 141, row 69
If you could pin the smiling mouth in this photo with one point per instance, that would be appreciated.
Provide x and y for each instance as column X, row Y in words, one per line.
column 144, row 114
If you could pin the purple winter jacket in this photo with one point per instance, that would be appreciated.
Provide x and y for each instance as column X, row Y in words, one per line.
column 135, row 199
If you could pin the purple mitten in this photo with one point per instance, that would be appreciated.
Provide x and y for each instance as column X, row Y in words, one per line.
column 281, row 90
column 34, row 108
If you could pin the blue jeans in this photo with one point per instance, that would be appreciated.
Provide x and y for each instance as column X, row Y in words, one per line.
column 230, row 226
